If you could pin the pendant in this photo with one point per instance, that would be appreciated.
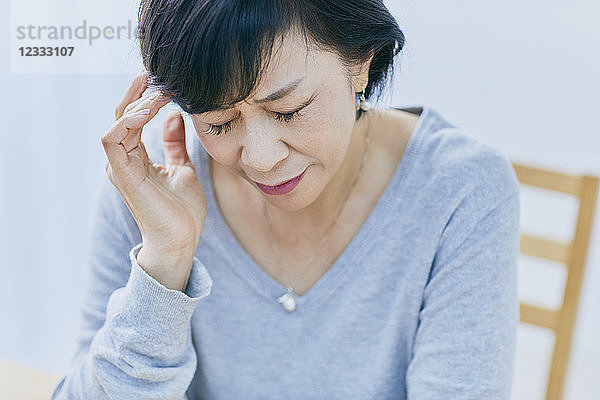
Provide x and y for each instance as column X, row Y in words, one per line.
column 287, row 301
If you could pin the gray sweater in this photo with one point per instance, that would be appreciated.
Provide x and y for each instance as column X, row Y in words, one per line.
column 422, row 304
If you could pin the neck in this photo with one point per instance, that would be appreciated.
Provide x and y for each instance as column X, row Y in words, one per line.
column 321, row 213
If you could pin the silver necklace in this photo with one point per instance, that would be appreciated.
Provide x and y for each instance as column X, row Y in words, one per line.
column 288, row 300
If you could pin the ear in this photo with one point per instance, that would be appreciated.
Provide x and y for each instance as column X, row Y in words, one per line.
column 360, row 77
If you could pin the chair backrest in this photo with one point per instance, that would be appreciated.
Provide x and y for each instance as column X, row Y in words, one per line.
column 572, row 254
column 18, row 381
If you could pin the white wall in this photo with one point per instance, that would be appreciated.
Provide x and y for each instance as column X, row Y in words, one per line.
column 521, row 76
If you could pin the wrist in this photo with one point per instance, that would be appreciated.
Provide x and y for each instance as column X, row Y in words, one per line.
column 169, row 268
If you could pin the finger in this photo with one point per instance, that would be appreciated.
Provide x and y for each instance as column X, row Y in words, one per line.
column 134, row 92
column 154, row 101
column 140, row 153
column 133, row 104
column 174, row 141
column 112, row 139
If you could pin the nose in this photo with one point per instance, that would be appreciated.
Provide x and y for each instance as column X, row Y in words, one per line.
column 262, row 150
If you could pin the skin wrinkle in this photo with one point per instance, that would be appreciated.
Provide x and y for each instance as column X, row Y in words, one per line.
column 220, row 111
column 326, row 137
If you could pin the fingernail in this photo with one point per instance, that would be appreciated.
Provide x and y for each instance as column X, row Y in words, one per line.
column 142, row 111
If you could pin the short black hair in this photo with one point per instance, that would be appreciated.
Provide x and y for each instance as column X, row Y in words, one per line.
column 209, row 54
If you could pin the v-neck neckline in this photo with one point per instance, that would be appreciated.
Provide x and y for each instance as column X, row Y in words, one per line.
column 245, row 266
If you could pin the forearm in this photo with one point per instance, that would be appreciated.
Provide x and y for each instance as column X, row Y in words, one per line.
column 144, row 348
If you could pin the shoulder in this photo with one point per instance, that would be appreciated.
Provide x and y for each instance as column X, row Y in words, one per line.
column 461, row 165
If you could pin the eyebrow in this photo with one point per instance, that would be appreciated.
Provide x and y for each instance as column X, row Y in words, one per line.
column 276, row 95
column 281, row 92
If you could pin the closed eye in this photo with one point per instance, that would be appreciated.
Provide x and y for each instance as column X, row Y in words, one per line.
column 287, row 117
column 279, row 116
column 218, row 129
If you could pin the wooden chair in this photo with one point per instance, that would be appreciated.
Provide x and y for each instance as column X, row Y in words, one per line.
column 573, row 255
column 25, row 383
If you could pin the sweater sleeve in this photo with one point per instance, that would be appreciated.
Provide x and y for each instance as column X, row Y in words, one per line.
column 135, row 339
column 464, row 346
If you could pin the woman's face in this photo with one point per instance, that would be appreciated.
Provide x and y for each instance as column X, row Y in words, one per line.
column 276, row 135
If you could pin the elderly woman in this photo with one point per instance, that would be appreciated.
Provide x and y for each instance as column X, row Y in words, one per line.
column 308, row 245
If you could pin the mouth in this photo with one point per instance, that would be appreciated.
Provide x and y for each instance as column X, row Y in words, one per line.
column 282, row 188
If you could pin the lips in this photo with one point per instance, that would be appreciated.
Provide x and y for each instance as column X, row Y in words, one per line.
column 282, row 188
column 282, row 183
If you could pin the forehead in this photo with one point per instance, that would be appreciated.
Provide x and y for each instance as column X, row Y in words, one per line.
column 292, row 57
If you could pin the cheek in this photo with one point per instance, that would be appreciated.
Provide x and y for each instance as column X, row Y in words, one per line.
column 217, row 148
column 220, row 152
column 328, row 132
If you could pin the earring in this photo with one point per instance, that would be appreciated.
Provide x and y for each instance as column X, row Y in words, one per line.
column 362, row 102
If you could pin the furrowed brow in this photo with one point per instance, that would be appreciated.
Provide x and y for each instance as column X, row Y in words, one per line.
column 281, row 92
column 276, row 95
